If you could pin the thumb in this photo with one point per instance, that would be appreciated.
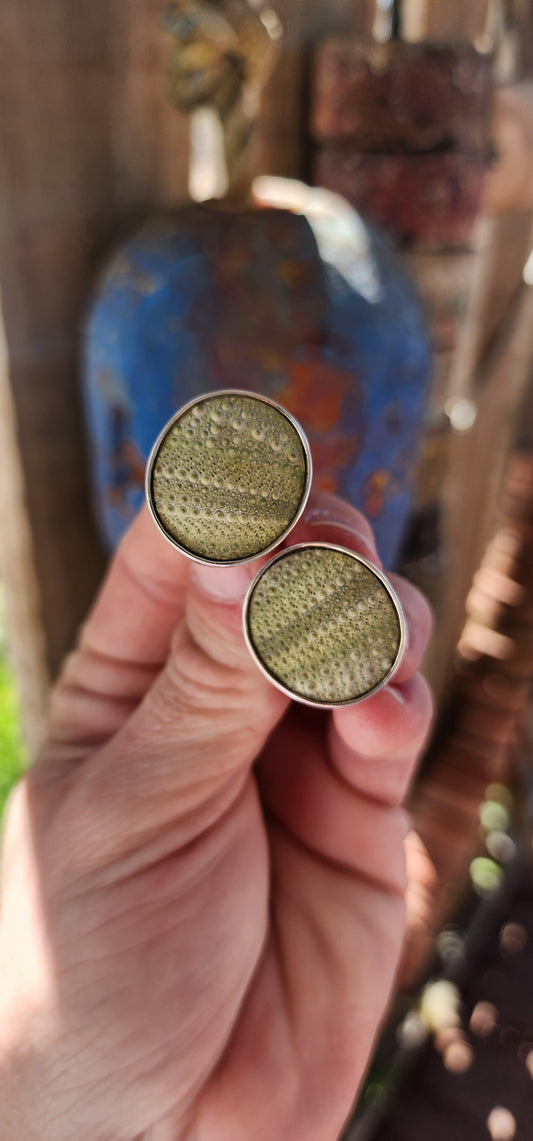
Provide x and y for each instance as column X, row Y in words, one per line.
column 185, row 753
column 210, row 702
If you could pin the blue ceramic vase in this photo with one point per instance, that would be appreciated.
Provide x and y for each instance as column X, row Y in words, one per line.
column 304, row 305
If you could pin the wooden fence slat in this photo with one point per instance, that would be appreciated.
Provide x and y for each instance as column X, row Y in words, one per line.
column 476, row 461
column 504, row 244
column 88, row 143
column 521, row 12
column 444, row 19
column 282, row 129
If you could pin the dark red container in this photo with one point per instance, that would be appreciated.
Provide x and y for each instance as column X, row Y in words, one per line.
column 401, row 97
column 429, row 201
column 401, row 131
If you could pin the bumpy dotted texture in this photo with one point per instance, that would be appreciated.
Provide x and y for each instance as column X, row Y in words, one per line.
column 229, row 478
column 324, row 625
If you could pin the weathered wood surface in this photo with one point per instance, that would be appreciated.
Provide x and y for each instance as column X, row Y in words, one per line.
column 444, row 20
column 89, row 142
column 483, row 722
column 522, row 31
column 509, row 186
column 282, row 122
column 476, row 461
column 490, row 368
column 504, row 242
column 505, row 235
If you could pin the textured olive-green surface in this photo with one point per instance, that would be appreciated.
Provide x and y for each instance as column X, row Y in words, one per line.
column 228, row 478
column 324, row 625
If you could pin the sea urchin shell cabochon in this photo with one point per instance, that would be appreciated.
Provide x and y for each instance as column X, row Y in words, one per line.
column 324, row 625
column 229, row 477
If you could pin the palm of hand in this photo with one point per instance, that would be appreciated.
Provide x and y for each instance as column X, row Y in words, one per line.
column 217, row 943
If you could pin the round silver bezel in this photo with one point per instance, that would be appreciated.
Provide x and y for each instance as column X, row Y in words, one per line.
column 390, row 590
column 155, row 451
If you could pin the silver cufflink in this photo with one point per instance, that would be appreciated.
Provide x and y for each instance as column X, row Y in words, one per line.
column 229, row 477
column 324, row 625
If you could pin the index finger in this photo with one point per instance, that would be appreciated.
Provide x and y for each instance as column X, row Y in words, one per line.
column 141, row 600
column 376, row 745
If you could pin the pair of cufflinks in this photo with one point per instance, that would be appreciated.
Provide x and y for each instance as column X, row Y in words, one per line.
column 226, row 483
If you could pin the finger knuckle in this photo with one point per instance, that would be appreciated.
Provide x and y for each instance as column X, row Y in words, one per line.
column 195, row 676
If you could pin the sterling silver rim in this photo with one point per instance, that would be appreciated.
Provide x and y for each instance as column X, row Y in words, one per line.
column 402, row 644
column 205, row 398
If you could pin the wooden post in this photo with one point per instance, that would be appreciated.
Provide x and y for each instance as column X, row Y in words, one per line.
column 90, row 144
column 472, row 488
column 504, row 243
column 444, row 20
column 505, row 236
column 282, row 127
column 486, row 713
column 522, row 23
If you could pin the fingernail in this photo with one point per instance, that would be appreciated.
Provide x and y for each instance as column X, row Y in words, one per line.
column 407, row 823
column 319, row 520
column 223, row 584
column 396, row 692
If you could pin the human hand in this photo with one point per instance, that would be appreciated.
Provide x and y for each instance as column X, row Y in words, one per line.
column 202, row 898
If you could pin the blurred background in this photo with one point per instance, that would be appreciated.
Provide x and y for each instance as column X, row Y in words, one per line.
column 330, row 202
